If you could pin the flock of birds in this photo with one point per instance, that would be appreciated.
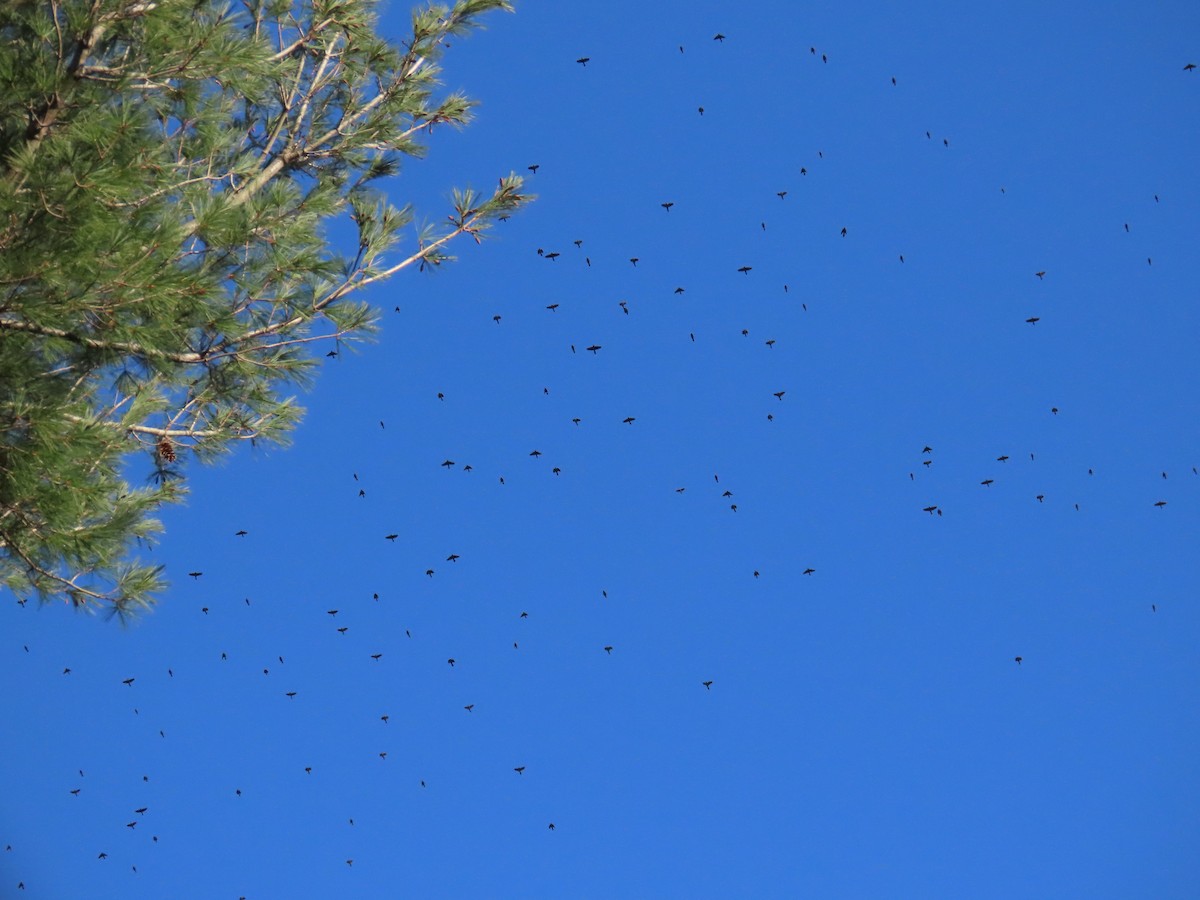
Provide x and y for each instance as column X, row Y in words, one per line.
column 142, row 814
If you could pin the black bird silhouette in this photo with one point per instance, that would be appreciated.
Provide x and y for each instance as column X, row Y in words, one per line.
column 778, row 394
column 469, row 707
column 331, row 612
column 745, row 270
column 1040, row 274
column 142, row 811
column 608, row 650
column 376, row 656
column 195, row 574
column 771, row 343
column 554, row 255
column 551, row 826
column 707, row 685
column 634, row 260
column 629, row 420
column 453, row 557
column 667, row 206
column 701, row 110
column 128, row 681
column 75, row 793
column 809, row 571
column 241, row 533
column 1161, row 503
column 1001, row 459
column 1033, row 320
column 595, row 348
column 446, row 464
column 584, row 60
column 552, row 307
column 391, row 537
column 930, row 509
column 577, row 420
column 450, row 661
column 1041, row 498
column 290, row 694
column 988, row 482
column 679, row 290
column 535, row 453
column 520, row 770
column 496, row 319
column 1189, row 67
column 843, row 232
column 719, row 37
column 534, row 168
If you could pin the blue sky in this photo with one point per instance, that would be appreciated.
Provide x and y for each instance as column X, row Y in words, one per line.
column 868, row 731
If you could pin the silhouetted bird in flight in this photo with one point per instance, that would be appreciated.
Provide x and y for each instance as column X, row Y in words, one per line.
column 534, row 168
column 453, row 557
column 520, row 770
column 1161, row 503
column 242, row 533
column 988, row 482
column 552, row 307
column 809, row 571
column 469, row 707
column 1040, row 274
column 376, row 656
column 629, row 420
column 595, row 348
column 1001, row 459
column 391, row 537
column 128, row 681
column 667, row 206
column 1017, row 659
column 778, row 394
column 719, row 37
column 1189, row 67
column 930, row 509
column 1033, row 320
column 450, row 661
column 843, row 232
column 195, row 574
column 584, row 60
column 535, row 453
column 707, row 685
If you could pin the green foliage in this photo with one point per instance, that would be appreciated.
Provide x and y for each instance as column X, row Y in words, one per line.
column 167, row 173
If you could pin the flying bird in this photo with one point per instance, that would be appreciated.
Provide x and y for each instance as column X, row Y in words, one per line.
column 707, row 685
column 719, row 37
column 1033, row 320
column 584, row 60
column 745, row 270
column 808, row 571
column 778, row 394
column 520, row 770
column 667, row 206
column 629, row 420
column 534, row 168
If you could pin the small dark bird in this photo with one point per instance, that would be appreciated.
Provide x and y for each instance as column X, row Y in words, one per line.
column 927, row 450
column 667, row 206
column 1001, row 459
column 1033, row 320
column 678, row 290
column 629, row 420
column 1041, row 498
column 554, row 255
column 290, row 694
column 469, row 707
column 719, row 37
column 608, row 650
column 771, row 343
column 520, row 770
column 128, row 681
column 1040, row 274
column 535, row 453
column 1189, row 67
column 745, row 270
column 552, row 307
column 781, row 194
column 707, row 685
column 584, row 60
column 66, row 671
column 634, row 260
column 195, row 574
column 551, row 826
column 450, row 661
column 803, row 171
column 131, row 824
column 391, row 537
column 1054, row 410
column 893, row 81
column 241, row 533
column 1161, row 503
column 1018, row 660
column 595, row 348
column 429, row 572
column 75, row 793
column 102, row 855
column 778, row 395
column 987, row 482
column 930, row 509
column 142, row 811
column 524, row 615
column 534, row 168
column 496, row 319
column 577, row 420
column 843, row 232
column 453, row 557
column 809, row 571
column 331, row 612
column 701, row 110
column 376, row 656
column 446, row 464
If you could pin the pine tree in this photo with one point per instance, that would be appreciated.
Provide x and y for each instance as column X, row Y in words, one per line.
column 167, row 174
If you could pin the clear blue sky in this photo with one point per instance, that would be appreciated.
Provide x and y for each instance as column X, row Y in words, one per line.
column 868, row 732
